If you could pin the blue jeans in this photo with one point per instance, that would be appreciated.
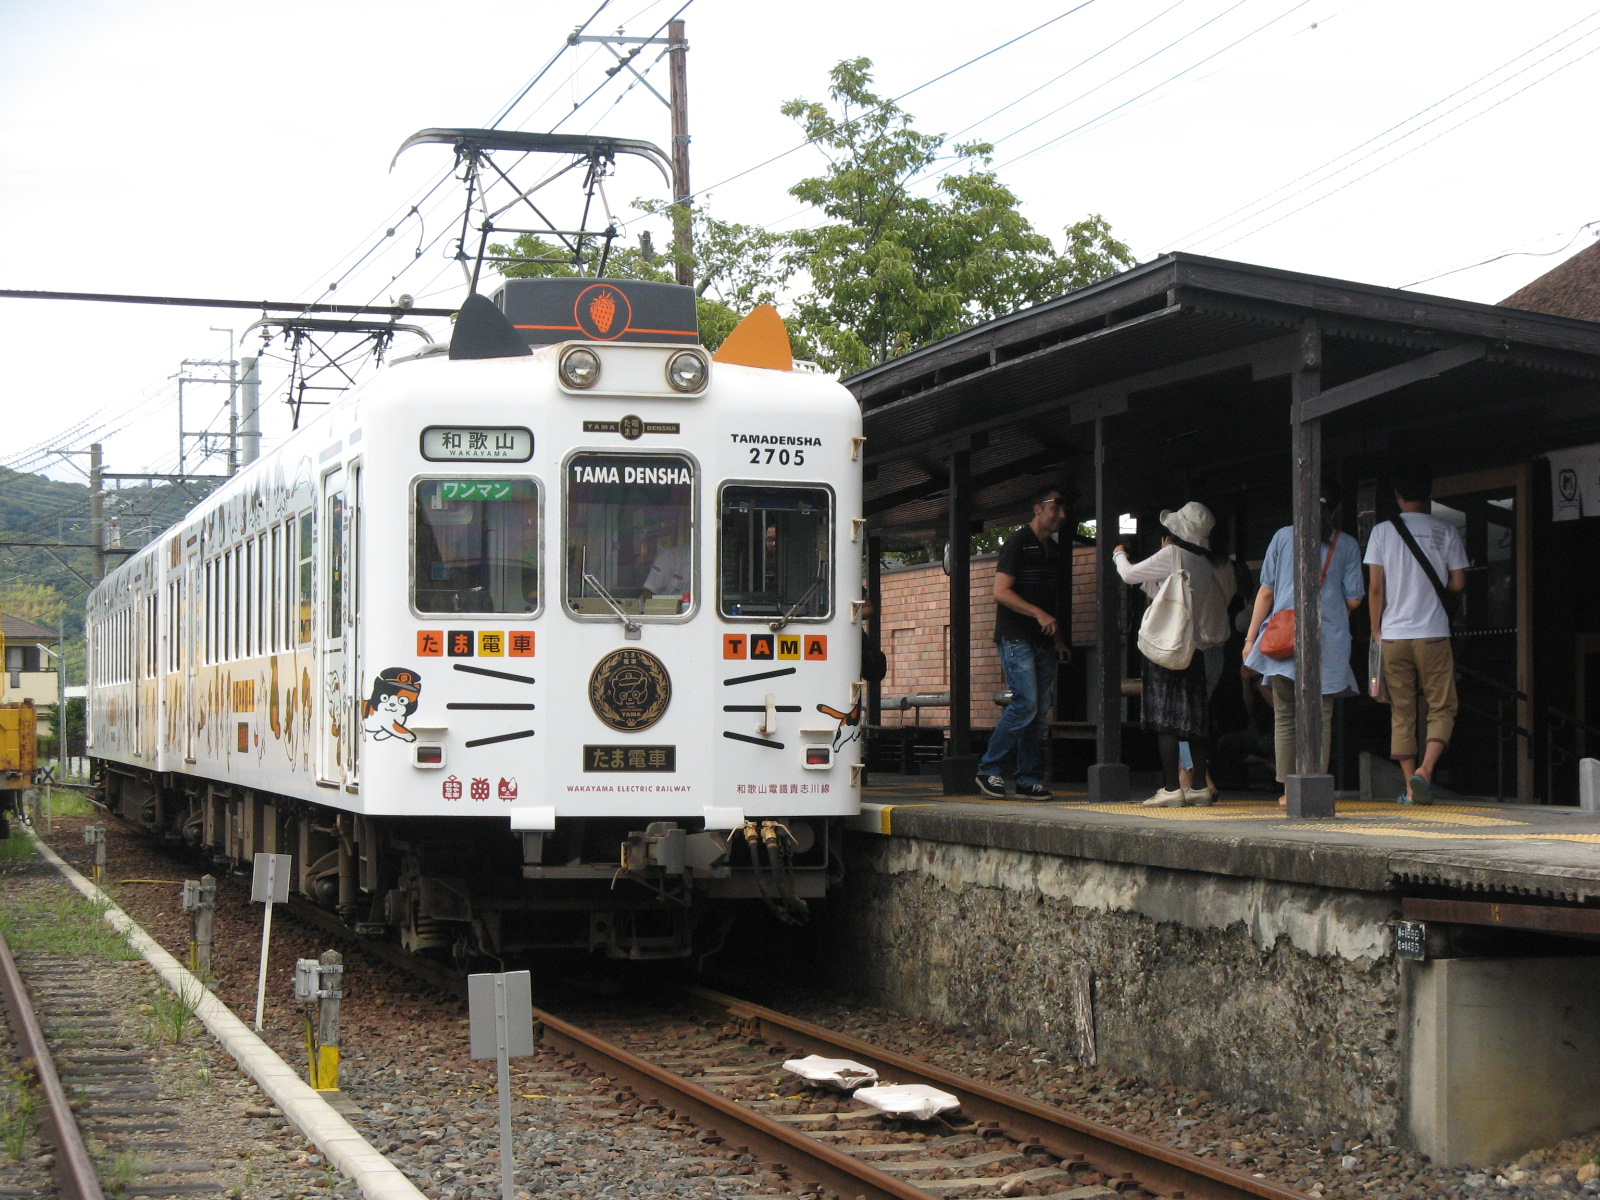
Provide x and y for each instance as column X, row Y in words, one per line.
column 1030, row 669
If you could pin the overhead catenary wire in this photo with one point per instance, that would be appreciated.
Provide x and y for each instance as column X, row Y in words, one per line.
column 1515, row 252
column 1412, row 150
column 1188, row 240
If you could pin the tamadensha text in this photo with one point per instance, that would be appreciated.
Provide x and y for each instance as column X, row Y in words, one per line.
column 773, row 439
column 614, row 474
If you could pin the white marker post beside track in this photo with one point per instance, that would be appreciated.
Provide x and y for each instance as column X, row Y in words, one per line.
column 269, row 883
column 500, row 1009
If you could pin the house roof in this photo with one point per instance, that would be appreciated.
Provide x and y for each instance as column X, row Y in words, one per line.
column 1570, row 290
column 19, row 630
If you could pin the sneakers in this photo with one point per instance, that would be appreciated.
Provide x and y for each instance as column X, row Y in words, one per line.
column 1034, row 791
column 1166, row 799
column 1199, row 797
column 991, row 785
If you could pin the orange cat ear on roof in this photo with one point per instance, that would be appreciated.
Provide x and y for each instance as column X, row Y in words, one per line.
column 760, row 340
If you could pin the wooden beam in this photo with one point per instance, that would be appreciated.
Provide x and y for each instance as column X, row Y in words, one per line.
column 1392, row 379
column 1272, row 357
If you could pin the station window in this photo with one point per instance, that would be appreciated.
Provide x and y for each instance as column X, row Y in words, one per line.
column 630, row 535
column 475, row 546
column 774, row 556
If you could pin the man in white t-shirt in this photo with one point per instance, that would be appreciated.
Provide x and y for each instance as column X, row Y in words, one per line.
column 1410, row 620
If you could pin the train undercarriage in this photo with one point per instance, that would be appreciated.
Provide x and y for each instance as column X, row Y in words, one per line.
column 473, row 891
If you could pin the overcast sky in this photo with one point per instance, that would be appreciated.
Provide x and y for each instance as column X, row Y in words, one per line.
column 176, row 147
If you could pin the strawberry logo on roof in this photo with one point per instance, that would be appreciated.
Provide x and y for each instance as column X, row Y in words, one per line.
column 603, row 312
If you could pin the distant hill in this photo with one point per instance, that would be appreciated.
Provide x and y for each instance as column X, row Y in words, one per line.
column 49, row 586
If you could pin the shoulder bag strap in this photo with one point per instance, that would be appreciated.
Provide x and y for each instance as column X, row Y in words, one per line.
column 1329, row 559
column 1433, row 576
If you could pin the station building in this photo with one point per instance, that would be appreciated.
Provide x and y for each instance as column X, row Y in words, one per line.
column 1425, row 976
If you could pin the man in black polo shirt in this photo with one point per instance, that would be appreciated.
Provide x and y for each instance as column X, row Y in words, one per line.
column 1027, row 592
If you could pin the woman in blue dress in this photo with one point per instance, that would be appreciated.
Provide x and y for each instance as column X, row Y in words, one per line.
column 1342, row 591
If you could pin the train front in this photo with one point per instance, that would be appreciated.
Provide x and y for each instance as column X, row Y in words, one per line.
column 628, row 651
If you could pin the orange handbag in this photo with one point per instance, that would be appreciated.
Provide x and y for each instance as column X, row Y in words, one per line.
column 1277, row 639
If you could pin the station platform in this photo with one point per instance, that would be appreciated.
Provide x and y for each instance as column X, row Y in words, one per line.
column 1551, row 855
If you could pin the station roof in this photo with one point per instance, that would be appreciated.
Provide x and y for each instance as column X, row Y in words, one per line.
column 1189, row 359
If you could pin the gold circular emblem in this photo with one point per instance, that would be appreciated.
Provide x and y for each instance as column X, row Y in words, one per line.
column 631, row 427
column 630, row 690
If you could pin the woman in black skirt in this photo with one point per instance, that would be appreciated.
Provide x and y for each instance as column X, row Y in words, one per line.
column 1176, row 705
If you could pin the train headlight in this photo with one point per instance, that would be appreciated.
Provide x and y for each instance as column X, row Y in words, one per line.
column 580, row 368
column 686, row 372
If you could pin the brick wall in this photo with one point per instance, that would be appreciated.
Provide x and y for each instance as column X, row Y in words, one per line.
column 914, row 631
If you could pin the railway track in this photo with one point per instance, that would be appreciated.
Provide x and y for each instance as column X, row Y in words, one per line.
column 724, row 1070
column 717, row 1061
column 100, row 1104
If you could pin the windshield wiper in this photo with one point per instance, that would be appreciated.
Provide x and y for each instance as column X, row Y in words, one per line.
column 628, row 623
column 798, row 605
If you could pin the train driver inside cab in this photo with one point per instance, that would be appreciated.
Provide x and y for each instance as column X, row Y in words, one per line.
column 670, row 569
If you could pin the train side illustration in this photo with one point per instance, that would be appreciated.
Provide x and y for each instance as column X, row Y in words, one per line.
column 547, row 638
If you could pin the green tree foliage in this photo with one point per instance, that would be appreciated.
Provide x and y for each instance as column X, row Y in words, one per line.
column 888, row 269
column 891, row 269
column 37, row 602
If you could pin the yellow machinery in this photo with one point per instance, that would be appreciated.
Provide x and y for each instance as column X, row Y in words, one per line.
column 19, row 750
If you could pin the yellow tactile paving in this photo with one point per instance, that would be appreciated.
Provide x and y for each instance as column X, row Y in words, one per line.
column 1436, row 815
column 1402, row 831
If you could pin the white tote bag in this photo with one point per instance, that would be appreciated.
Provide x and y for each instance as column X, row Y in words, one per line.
column 1166, row 635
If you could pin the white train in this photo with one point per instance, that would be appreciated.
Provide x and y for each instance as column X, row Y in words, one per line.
column 544, row 642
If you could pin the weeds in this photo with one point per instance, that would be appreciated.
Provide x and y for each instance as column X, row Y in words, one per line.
column 122, row 1172
column 245, row 1186
column 172, row 1012
column 65, row 803
column 61, row 923
column 19, row 1114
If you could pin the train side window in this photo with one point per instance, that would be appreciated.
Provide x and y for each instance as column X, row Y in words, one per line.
column 475, row 546
column 307, row 573
column 630, row 535
column 774, row 553
column 335, row 532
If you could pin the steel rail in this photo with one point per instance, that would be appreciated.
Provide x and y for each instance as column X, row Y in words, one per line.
column 1159, row 1168
column 73, row 1167
column 772, row 1140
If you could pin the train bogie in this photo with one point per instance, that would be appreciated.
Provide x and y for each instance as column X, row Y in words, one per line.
column 548, row 647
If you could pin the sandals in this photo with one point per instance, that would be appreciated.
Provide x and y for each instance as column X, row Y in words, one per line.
column 1421, row 792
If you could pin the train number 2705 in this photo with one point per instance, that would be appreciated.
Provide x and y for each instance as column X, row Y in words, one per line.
column 782, row 457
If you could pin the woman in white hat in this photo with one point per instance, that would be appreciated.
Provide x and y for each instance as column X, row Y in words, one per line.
column 1176, row 704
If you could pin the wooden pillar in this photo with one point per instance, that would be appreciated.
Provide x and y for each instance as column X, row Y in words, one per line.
column 1309, row 789
column 960, row 555
column 1108, row 777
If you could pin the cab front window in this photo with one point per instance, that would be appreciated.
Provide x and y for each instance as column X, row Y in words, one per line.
column 475, row 546
column 630, row 535
column 774, row 555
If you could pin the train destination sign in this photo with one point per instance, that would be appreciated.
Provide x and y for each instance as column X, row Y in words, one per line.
column 477, row 443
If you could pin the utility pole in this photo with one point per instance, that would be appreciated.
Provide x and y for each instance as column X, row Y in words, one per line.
column 97, row 513
column 677, row 54
column 250, row 420
column 682, row 231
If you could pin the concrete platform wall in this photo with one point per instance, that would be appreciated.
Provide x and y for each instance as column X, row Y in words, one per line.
column 1506, row 1054
column 1273, row 994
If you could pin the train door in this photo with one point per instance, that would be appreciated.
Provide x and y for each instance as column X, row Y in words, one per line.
column 191, row 616
column 353, row 627
column 334, row 716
